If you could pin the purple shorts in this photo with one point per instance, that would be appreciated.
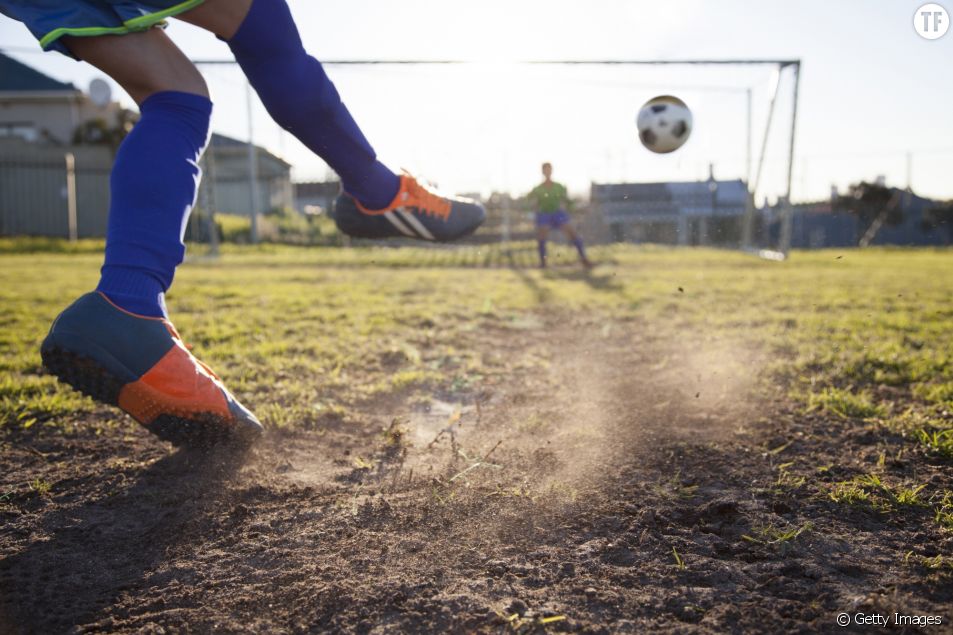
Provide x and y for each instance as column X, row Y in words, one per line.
column 554, row 220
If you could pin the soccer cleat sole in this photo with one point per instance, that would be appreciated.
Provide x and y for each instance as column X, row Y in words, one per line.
column 193, row 430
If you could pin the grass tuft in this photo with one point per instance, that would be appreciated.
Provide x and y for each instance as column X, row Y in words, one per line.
column 943, row 513
column 771, row 535
column 41, row 486
column 846, row 404
column 938, row 441
column 679, row 563
column 870, row 489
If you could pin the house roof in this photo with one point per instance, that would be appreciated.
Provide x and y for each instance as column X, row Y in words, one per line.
column 222, row 142
column 685, row 191
column 660, row 199
column 18, row 77
column 317, row 189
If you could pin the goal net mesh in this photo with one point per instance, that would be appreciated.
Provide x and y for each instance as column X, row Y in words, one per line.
column 485, row 128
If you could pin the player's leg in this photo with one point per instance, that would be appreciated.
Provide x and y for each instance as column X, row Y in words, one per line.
column 542, row 234
column 573, row 237
column 155, row 175
column 117, row 344
column 295, row 89
column 142, row 63
column 302, row 99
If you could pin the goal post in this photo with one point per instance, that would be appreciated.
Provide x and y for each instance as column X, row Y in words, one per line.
column 514, row 103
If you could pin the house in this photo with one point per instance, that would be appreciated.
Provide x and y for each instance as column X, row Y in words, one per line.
column 48, row 186
column 226, row 172
column 39, row 109
column 56, row 153
column 683, row 213
column 814, row 225
column 821, row 224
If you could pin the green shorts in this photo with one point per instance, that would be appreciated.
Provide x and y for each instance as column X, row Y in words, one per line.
column 49, row 20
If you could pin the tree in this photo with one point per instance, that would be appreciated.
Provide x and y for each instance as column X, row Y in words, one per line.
column 869, row 201
column 98, row 132
column 874, row 205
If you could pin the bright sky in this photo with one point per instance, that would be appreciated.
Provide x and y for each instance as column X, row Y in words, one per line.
column 872, row 90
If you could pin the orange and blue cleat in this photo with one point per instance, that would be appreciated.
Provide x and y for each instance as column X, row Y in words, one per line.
column 142, row 365
column 416, row 212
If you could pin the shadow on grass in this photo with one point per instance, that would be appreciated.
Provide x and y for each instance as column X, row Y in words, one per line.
column 86, row 557
column 541, row 294
column 597, row 281
column 381, row 256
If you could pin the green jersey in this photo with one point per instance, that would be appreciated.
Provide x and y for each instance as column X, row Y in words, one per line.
column 550, row 197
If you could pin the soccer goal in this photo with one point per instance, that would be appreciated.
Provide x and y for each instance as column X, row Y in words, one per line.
column 484, row 128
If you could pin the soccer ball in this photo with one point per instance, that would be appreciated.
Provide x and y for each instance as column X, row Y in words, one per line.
column 664, row 123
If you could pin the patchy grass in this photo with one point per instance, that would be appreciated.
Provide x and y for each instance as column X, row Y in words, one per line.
column 938, row 441
column 872, row 490
column 41, row 487
column 937, row 393
column 849, row 493
column 787, row 479
column 861, row 340
column 943, row 510
column 845, row 403
column 771, row 535
column 293, row 330
column 939, row 568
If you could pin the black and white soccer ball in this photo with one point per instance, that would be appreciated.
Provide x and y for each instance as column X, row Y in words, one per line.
column 664, row 123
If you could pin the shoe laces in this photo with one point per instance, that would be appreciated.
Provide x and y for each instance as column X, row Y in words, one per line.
column 423, row 198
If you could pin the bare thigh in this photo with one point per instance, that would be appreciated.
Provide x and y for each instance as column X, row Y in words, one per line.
column 221, row 17
column 542, row 232
column 142, row 63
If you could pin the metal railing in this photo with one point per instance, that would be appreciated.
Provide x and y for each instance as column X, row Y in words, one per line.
column 54, row 196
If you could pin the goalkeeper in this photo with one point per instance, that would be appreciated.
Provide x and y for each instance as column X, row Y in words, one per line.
column 551, row 201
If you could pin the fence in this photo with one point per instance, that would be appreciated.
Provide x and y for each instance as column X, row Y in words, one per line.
column 63, row 191
column 54, row 191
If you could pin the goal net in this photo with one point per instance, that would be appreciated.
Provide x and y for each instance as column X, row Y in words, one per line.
column 484, row 129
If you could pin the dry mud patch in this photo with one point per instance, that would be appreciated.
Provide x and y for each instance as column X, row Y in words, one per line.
column 607, row 484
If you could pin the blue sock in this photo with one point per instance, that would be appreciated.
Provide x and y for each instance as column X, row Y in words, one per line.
column 152, row 190
column 302, row 99
column 541, row 245
column 580, row 248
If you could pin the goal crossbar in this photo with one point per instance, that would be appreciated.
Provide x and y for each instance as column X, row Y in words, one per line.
column 784, row 242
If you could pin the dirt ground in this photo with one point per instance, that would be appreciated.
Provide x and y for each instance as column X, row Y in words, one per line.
column 615, row 482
